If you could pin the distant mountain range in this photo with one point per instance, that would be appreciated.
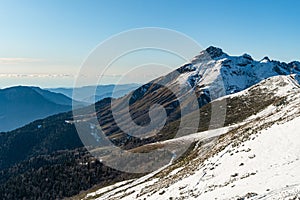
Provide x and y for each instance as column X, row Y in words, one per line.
column 102, row 91
column 21, row 105
column 49, row 157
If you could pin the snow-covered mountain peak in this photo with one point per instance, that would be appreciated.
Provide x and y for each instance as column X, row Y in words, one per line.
column 210, row 53
column 247, row 56
column 213, row 68
column 266, row 59
column 214, row 52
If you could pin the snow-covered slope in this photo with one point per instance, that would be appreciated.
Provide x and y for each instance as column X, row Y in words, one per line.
column 258, row 158
column 213, row 74
column 213, row 69
column 210, row 75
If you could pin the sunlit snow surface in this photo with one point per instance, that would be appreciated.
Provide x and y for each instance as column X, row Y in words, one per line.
column 266, row 166
column 232, row 73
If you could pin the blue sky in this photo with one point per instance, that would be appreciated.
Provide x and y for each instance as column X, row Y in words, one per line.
column 45, row 42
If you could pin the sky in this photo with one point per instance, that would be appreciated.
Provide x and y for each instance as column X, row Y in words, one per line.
column 45, row 43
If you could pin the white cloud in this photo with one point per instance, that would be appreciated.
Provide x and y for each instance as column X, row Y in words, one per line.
column 14, row 61
column 5, row 75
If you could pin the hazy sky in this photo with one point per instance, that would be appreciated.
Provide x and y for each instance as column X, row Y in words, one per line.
column 45, row 42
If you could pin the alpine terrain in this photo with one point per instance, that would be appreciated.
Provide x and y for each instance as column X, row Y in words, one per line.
column 257, row 158
column 256, row 154
column 245, row 145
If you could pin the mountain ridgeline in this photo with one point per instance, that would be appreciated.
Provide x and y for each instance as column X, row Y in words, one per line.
column 209, row 76
column 44, row 146
column 21, row 105
column 101, row 92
